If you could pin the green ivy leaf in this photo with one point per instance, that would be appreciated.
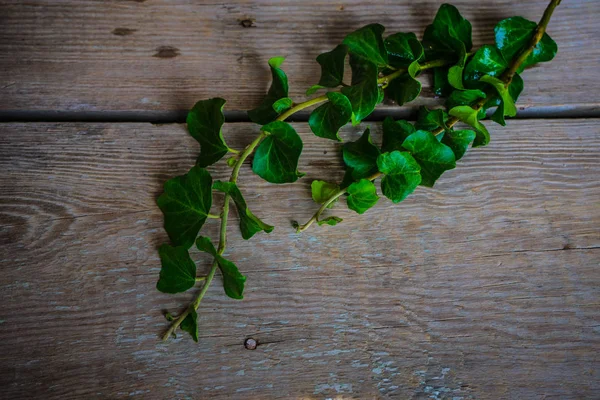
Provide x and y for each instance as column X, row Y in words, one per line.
column 362, row 195
column 186, row 203
column 276, row 158
column 367, row 42
column 402, row 174
column 449, row 36
column 470, row 116
column 394, row 134
column 364, row 91
column 204, row 123
column 507, row 105
column 233, row 280
column 282, row 104
column 441, row 87
column 190, row 325
column 465, row 98
column 326, row 120
column 486, row 61
column 264, row 113
column 361, row 156
column 178, row 272
column 332, row 68
column 403, row 49
column 333, row 220
column 433, row 156
column 403, row 89
column 249, row 223
column 515, row 33
column 458, row 141
column 514, row 89
column 322, row 191
column 448, row 23
column 429, row 120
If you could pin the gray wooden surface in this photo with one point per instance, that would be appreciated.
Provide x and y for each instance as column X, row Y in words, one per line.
column 157, row 58
column 485, row 287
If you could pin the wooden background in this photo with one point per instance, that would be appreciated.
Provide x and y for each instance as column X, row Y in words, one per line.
column 485, row 287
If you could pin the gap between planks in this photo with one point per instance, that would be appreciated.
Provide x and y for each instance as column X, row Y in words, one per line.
column 165, row 117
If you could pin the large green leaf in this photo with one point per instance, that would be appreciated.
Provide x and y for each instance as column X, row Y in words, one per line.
column 190, row 324
column 264, row 113
column 402, row 174
column 186, row 203
column 322, row 191
column 458, row 141
column 326, row 120
column 204, row 123
column 471, row 117
column 362, row 195
column 433, row 156
column 364, row 91
column 514, row 34
column 486, row 61
column 249, row 223
column 403, row 49
column 367, row 42
column 361, row 156
column 276, row 157
column 233, row 280
column 332, row 68
column 178, row 272
column 394, row 134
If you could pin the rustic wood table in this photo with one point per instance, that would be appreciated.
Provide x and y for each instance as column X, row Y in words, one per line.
column 487, row 286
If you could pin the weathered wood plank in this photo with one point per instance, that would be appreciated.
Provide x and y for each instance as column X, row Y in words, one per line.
column 485, row 287
column 162, row 56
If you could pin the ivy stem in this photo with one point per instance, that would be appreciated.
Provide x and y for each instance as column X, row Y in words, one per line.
column 506, row 77
column 302, row 106
column 213, row 216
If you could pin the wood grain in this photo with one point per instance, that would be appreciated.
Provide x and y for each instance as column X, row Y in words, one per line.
column 485, row 287
column 159, row 57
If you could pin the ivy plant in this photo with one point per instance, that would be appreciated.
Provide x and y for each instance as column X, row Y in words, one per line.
column 411, row 155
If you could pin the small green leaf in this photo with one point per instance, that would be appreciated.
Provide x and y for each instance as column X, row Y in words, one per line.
column 465, row 98
column 326, row 120
column 364, row 91
column 190, row 324
column 233, row 280
column 322, row 191
column 486, row 61
column 514, row 34
column 362, row 195
column 178, row 272
column 455, row 72
column 429, row 120
column 394, row 134
column 403, row 49
column 402, row 174
column 514, row 89
column 264, row 113
column 470, row 116
column 361, row 156
column 434, row 157
column 204, row 123
column 332, row 68
column 282, row 104
column 333, row 220
column 276, row 158
column 186, row 203
column 458, row 141
column 367, row 42
column 507, row 105
column 249, row 223
column 403, row 89
column 441, row 87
